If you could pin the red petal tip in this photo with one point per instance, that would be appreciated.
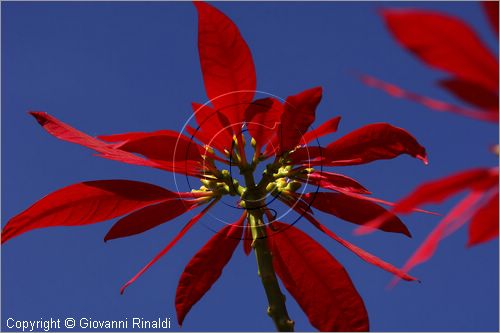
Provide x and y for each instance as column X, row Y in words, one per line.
column 396, row 280
column 365, row 230
column 39, row 116
column 33, row 113
column 122, row 289
column 424, row 159
column 318, row 89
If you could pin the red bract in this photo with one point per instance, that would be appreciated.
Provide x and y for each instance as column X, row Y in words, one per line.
column 449, row 44
column 478, row 206
column 206, row 267
column 301, row 261
column 279, row 131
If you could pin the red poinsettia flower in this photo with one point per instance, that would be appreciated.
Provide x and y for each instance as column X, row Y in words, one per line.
column 279, row 132
column 449, row 44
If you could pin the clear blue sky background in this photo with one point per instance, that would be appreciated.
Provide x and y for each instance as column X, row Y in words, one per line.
column 117, row 67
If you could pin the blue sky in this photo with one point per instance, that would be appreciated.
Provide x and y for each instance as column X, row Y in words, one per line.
column 116, row 67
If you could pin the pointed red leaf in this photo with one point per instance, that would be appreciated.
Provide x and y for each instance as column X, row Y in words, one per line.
column 298, row 114
column 65, row 132
column 366, row 256
column 149, row 217
column 354, row 210
column 329, row 126
column 484, row 224
column 205, row 267
column 373, row 142
column 226, row 63
column 430, row 103
column 86, row 203
column 446, row 43
column 334, row 181
column 262, row 118
column 441, row 189
column 167, row 248
column 383, row 202
column 121, row 137
column 458, row 216
column 159, row 145
column 436, row 192
column 491, row 11
column 318, row 282
column 472, row 93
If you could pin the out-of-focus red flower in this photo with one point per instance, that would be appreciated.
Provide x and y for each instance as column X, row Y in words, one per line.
column 449, row 44
column 280, row 132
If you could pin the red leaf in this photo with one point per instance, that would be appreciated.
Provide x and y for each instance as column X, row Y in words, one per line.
column 354, row 210
column 430, row 103
column 298, row 114
column 184, row 230
column 374, row 142
column 208, row 140
column 491, row 11
column 121, row 137
column 160, row 145
column 472, row 93
column 213, row 125
column 439, row 190
column 329, row 126
column 335, row 181
column 86, row 203
column 446, row 43
column 458, row 215
column 226, row 63
column 262, row 118
column 366, row 256
column 484, row 225
column 149, row 217
column 383, row 202
column 65, row 132
column 318, row 282
column 295, row 201
column 311, row 156
column 366, row 144
column 205, row 267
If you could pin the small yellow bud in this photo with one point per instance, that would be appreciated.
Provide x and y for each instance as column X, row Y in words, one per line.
column 208, row 183
column 271, row 186
column 293, row 186
column 253, row 143
column 309, row 170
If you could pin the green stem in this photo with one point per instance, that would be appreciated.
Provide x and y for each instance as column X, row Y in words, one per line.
column 254, row 202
